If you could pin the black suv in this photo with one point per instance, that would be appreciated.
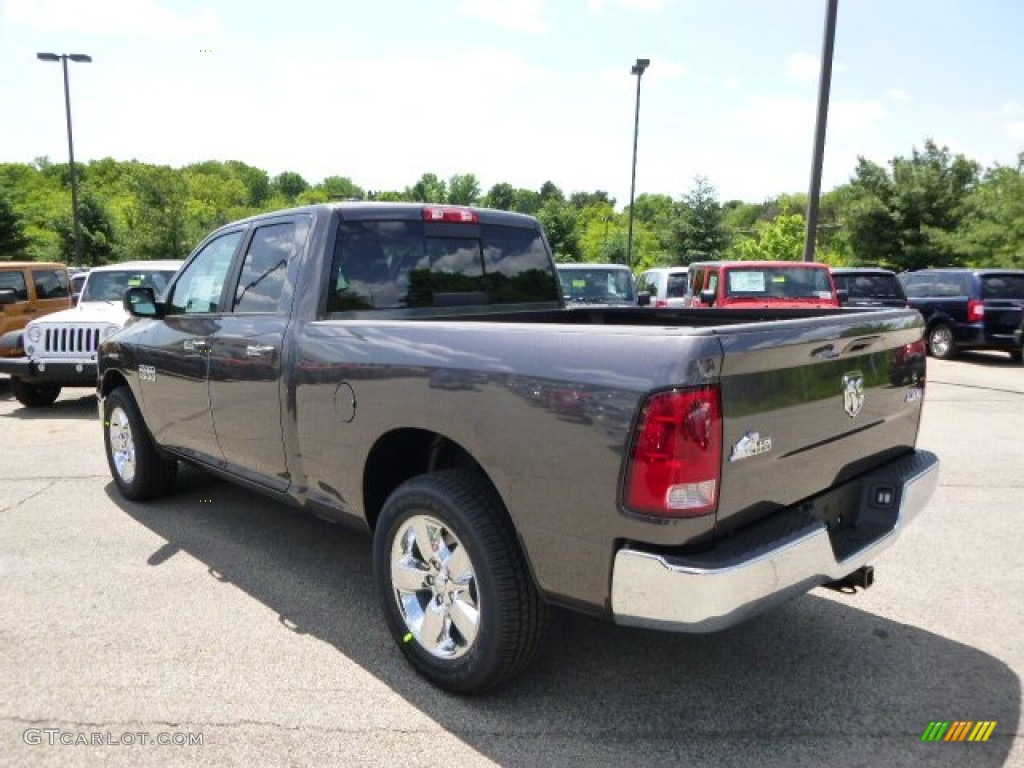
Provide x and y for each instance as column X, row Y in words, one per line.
column 869, row 287
column 968, row 308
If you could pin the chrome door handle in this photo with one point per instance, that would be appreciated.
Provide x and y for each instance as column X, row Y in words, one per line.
column 197, row 345
column 257, row 350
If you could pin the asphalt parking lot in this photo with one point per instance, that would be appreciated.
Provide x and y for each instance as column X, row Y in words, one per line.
column 218, row 615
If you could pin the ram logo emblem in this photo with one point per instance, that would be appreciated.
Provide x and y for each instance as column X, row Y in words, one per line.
column 853, row 393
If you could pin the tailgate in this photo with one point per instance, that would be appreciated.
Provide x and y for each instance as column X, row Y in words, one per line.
column 1003, row 317
column 809, row 404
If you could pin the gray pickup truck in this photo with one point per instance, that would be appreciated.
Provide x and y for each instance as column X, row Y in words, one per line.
column 412, row 369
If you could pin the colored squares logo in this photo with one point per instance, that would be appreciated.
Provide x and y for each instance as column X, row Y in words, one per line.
column 958, row 730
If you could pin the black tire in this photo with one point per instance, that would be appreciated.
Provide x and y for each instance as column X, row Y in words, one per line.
column 477, row 579
column 34, row 395
column 941, row 343
column 1017, row 356
column 138, row 469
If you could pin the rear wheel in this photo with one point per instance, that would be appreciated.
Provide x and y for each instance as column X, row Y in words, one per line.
column 34, row 395
column 138, row 469
column 941, row 343
column 453, row 583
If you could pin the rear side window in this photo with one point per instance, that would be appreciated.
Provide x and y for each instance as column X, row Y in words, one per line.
column 51, row 283
column 676, row 286
column 14, row 281
column 950, row 284
column 264, row 269
column 412, row 264
column 1002, row 286
column 870, row 286
column 917, row 286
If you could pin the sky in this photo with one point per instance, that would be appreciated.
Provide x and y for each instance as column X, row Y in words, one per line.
column 516, row 91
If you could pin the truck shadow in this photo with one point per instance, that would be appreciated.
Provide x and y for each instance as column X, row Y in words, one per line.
column 989, row 359
column 77, row 403
column 815, row 682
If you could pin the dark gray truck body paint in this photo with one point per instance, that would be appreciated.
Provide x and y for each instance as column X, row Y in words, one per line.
column 544, row 401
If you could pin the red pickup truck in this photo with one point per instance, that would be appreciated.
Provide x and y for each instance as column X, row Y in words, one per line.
column 761, row 285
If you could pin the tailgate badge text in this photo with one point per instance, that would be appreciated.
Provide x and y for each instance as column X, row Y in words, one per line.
column 853, row 393
column 751, row 444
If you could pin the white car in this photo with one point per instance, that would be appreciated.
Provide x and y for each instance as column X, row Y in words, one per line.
column 663, row 287
column 60, row 348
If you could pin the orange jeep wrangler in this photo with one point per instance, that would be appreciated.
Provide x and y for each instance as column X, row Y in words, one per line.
column 29, row 289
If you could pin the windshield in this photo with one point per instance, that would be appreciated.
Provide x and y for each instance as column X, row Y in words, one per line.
column 597, row 285
column 777, row 283
column 1009, row 286
column 110, row 286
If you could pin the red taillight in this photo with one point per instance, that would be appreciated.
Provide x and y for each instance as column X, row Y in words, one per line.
column 676, row 459
column 661, row 303
column 975, row 311
column 447, row 213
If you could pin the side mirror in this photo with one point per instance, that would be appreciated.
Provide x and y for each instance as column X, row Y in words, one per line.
column 8, row 296
column 707, row 297
column 141, row 302
column 643, row 299
column 843, row 295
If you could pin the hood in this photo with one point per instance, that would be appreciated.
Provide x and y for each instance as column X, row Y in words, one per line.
column 88, row 312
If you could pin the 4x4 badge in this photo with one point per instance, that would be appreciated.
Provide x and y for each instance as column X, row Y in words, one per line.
column 853, row 393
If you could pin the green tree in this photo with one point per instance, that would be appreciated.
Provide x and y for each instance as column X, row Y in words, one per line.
column 289, row 184
column 906, row 217
column 779, row 240
column 559, row 221
column 501, row 196
column 549, row 191
column 598, row 197
column 256, row 181
column 341, row 188
column 97, row 228
column 13, row 241
column 656, row 214
column 158, row 218
column 527, row 201
column 463, row 189
column 699, row 228
column 429, row 189
column 991, row 233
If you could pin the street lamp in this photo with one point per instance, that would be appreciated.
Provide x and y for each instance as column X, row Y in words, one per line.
column 81, row 58
column 818, row 155
column 638, row 70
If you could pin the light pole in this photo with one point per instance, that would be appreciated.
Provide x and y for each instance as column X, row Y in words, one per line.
column 824, row 88
column 81, row 58
column 638, row 70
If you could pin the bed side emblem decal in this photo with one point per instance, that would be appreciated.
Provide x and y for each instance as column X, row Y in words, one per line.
column 853, row 393
column 751, row 444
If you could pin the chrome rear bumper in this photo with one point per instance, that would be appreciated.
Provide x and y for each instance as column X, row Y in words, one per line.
column 707, row 593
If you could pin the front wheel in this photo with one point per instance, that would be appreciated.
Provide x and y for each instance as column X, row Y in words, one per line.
column 941, row 343
column 1017, row 356
column 34, row 395
column 454, row 586
column 138, row 469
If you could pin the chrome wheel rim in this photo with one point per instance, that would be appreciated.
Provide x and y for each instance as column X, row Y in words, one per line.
column 434, row 583
column 941, row 340
column 122, row 445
